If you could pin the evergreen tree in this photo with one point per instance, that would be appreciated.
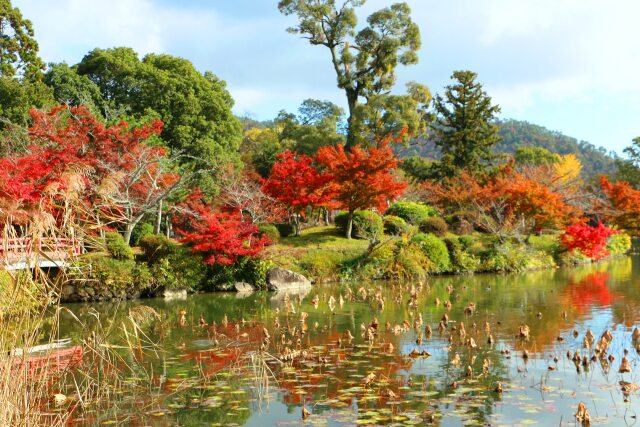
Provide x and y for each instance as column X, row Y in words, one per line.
column 629, row 168
column 18, row 47
column 464, row 129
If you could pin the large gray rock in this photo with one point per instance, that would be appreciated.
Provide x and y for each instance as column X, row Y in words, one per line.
column 279, row 279
column 243, row 287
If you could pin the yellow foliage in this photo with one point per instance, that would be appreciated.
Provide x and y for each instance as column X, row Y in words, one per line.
column 568, row 168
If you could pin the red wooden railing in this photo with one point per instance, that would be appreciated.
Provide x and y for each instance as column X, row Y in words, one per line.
column 27, row 250
column 54, row 362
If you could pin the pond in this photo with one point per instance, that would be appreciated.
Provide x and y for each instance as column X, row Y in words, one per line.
column 392, row 371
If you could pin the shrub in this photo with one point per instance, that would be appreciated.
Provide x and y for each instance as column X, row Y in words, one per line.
column 434, row 225
column 509, row 257
column 156, row 246
column 245, row 269
column 461, row 261
column 619, row 244
column 435, row 249
column 366, row 224
column 285, row 229
column 461, row 222
column 412, row 212
column 466, row 241
column 117, row 247
column 115, row 274
column 140, row 231
column 271, row 231
column 395, row 225
column 180, row 270
column 173, row 266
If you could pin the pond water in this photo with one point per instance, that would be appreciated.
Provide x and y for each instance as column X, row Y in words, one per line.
column 218, row 375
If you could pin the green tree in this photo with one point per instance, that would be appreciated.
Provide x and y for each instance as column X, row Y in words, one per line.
column 73, row 89
column 464, row 128
column 18, row 47
column 629, row 168
column 386, row 113
column 364, row 61
column 195, row 107
column 535, row 156
column 417, row 168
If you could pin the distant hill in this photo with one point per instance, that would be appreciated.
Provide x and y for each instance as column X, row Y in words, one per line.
column 515, row 133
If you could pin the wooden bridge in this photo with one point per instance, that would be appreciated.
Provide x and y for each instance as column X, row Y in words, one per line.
column 25, row 252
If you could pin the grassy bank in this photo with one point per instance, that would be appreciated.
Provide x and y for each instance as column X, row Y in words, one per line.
column 323, row 254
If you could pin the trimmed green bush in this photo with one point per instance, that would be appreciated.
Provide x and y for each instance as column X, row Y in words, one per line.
column 395, row 225
column 117, row 247
column 412, row 212
column 366, row 224
column 271, row 231
column 140, row 231
column 435, row 249
column 619, row 244
column 434, row 225
column 285, row 229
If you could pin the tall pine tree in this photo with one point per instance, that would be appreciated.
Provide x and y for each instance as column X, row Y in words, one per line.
column 464, row 129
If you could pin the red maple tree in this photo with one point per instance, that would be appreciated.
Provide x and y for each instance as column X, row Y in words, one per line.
column 363, row 177
column 117, row 176
column 296, row 183
column 223, row 237
column 591, row 241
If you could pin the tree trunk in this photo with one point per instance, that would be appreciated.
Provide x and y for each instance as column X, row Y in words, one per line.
column 352, row 100
column 349, row 224
column 168, row 226
column 127, row 233
column 326, row 216
column 296, row 224
column 159, row 218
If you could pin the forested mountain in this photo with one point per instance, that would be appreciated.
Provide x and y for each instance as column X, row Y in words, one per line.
column 515, row 133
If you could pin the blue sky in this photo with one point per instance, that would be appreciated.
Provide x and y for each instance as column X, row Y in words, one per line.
column 568, row 65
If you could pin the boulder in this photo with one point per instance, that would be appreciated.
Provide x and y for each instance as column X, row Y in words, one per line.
column 67, row 292
column 279, row 279
column 243, row 287
column 171, row 294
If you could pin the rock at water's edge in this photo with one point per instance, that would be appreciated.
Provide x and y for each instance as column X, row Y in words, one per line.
column 279, row 279
column 243, row 287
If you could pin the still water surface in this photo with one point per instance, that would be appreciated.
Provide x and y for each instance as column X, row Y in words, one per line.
column 216, row 375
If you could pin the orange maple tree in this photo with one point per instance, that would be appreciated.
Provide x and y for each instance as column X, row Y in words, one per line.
column 622, row 205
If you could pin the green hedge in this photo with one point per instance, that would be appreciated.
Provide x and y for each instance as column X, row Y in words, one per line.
column 412, row 212
column 395, row 225
column 366, row 224
column 435, row 249
column 117, row 247
column 434, row 225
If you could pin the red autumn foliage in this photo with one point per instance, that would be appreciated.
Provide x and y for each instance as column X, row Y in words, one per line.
column 623, row 204
column 223, row 238
column 591, row 241
column 295, row 182
column 71, row 148
column 363, row 177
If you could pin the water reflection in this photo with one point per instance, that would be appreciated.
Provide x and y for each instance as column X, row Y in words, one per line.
column 446, row 378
